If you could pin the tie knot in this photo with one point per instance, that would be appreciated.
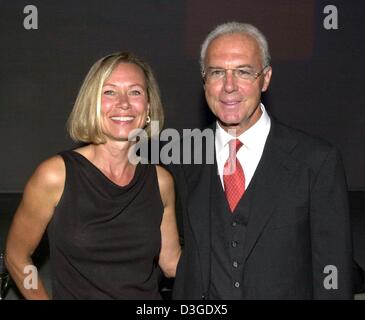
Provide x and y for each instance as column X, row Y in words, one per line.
column 234, row 146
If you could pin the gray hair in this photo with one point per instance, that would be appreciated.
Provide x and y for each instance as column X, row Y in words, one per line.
column 237, row 27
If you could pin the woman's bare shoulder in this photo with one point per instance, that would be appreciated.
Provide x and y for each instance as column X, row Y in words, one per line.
column 50, row 172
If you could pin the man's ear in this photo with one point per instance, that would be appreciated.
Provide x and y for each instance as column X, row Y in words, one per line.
column 267, row 78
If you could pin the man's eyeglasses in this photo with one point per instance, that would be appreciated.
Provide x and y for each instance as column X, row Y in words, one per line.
column 246, row 74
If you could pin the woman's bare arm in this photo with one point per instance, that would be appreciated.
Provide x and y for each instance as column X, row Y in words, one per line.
column 170, row 246
column 40, row 198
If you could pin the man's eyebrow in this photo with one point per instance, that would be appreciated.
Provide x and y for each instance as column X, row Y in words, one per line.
column 245, row 66
column 237, row 67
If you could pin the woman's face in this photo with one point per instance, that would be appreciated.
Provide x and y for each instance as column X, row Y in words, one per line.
column 124, row 102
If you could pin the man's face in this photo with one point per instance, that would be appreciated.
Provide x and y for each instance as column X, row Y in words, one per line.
column 235, row 102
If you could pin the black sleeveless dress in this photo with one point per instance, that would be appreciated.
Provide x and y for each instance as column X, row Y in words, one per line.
column 105, row 239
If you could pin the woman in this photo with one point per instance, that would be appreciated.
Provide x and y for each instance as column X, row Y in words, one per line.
column 110, row 223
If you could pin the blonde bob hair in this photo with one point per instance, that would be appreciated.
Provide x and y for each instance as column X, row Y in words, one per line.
column 84, row 123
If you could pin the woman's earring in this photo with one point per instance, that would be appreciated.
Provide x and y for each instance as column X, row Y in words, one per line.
column 148, row 119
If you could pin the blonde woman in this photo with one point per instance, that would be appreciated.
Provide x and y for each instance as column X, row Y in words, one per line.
column 110, row 223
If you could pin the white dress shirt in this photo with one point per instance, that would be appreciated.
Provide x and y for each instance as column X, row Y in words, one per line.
column 250, row 153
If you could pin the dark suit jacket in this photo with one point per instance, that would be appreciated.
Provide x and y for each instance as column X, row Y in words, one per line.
column 298, row 224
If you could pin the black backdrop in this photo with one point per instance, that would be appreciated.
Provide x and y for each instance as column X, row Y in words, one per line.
column 317, row 84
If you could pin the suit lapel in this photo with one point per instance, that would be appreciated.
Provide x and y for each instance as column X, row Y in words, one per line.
column 272, row 175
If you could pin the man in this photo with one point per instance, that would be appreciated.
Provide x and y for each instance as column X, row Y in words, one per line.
column 274, row 222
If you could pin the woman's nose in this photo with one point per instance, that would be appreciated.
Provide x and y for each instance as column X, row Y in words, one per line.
column 123, row 101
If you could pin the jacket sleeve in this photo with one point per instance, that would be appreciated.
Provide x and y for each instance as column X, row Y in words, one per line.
column 330, row 231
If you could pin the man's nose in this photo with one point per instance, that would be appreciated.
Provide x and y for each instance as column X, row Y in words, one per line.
column 230, row 81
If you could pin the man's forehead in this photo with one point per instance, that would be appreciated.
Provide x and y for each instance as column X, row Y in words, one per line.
column 234, row 39
column 234, row 50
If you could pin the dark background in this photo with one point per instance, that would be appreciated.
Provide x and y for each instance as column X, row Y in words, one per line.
column 317, row 84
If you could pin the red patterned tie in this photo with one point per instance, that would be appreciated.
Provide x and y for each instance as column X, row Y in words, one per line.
column 233, row 176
